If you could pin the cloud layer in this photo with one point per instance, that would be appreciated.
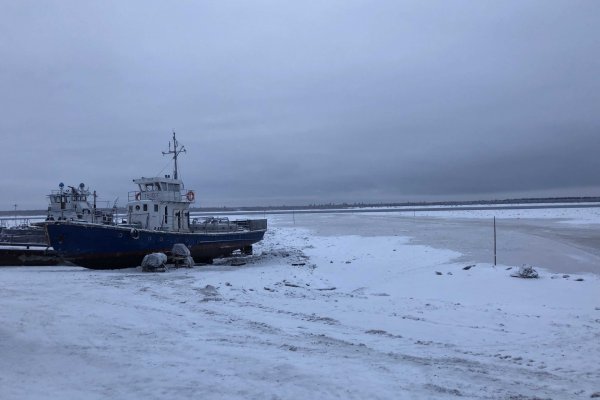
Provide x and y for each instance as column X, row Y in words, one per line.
column 297, row 102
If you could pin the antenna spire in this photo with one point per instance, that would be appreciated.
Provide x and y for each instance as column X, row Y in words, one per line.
column 175, row 153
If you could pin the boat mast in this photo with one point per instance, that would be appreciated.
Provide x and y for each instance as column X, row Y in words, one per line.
column 175, row 153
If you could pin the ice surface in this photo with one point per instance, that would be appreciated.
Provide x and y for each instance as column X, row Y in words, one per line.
column 330, row 306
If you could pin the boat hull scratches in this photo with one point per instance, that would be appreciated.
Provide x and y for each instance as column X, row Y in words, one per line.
column 112, row 247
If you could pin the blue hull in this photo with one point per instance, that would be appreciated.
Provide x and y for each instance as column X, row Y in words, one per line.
column 111, row 247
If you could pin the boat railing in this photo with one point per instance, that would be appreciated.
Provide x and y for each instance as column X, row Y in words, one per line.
column 18, row 235
column 187, row 196
column 213, row 224
column 105, row 217
column 12, row 222
column 78, row 195
column 252, row 224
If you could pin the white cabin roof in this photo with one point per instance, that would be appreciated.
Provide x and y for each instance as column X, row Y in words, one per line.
column 161, row 179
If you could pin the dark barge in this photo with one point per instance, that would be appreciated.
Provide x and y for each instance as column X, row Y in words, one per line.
column 28, row 254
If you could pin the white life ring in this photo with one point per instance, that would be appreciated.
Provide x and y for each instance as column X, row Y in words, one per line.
column 190, row 196
column 138, row 196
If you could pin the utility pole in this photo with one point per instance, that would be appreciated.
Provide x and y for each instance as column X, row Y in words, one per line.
column 494, row 240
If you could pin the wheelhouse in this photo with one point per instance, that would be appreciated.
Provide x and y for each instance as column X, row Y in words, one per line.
column 160, row 203
column 69, row 204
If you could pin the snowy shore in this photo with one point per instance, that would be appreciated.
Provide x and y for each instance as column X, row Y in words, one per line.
column 328, row 307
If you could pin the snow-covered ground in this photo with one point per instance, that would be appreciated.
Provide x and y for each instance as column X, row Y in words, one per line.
column 330, row 306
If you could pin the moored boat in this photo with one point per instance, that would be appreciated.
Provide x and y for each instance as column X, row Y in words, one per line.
column 26, row 243
column 71, row 204
column 158, row 217
column 28, row 255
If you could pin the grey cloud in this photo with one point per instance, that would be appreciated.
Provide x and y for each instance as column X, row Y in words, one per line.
column 302, row 102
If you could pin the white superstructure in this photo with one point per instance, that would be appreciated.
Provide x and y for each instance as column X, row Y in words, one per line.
column 161, row 203
column 73, row 204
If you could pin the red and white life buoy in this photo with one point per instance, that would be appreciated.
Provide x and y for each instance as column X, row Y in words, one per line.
column 138, row 196
column 190, row 196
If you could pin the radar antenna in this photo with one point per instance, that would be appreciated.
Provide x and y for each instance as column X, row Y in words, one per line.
column 175, row 153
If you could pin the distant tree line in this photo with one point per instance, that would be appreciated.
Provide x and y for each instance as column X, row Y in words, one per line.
column 329, row 206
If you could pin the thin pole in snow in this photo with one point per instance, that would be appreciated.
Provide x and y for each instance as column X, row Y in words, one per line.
column 494, row 241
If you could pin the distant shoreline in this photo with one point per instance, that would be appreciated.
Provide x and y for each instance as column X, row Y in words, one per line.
column 549, row 202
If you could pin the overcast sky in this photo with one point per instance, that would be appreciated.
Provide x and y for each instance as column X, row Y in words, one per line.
column 295, row 102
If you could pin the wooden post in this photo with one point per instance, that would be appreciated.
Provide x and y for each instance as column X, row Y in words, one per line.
column 494, row 241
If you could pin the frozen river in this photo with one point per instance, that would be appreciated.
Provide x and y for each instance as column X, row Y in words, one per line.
column 542, row 238
column 353, row 306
